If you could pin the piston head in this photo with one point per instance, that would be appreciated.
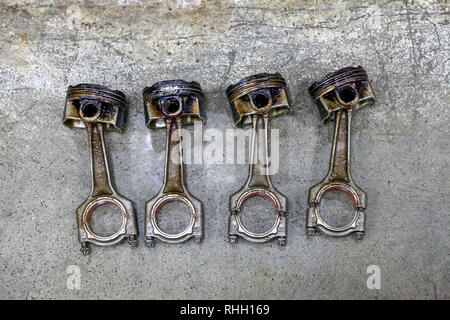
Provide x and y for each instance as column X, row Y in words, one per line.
column 262, row 93
column 343, row 89
column 172, row 99
column 94, row 103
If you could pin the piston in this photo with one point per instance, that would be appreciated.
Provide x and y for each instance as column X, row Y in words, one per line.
column 95, row 108
column 254, row 100
column 172, row 104
column 339, row 94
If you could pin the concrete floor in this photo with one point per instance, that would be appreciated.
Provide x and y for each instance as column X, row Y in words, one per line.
column 400, row 146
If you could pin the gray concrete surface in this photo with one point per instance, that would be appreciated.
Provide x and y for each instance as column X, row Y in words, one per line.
column 400, row 147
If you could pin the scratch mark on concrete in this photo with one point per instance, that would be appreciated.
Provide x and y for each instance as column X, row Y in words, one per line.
column 411, row 37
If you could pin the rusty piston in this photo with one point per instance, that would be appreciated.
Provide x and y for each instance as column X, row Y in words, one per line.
column 254, row 100
column 95, row 107
column 171, row 104
column 339, row 93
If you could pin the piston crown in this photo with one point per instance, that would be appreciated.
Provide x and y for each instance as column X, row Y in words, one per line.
column 94, row 103
column 172, row 99
column 347, row 88
column 262, row 93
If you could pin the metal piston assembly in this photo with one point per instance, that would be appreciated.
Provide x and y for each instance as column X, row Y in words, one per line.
column 172, row 104
column 96, row 107
column 253, row 100
column 339, row 94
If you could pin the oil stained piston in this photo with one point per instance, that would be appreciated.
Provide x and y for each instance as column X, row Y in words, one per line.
column 254, row 100
column 95, row 108
column 338, row 95
column 170, row 104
